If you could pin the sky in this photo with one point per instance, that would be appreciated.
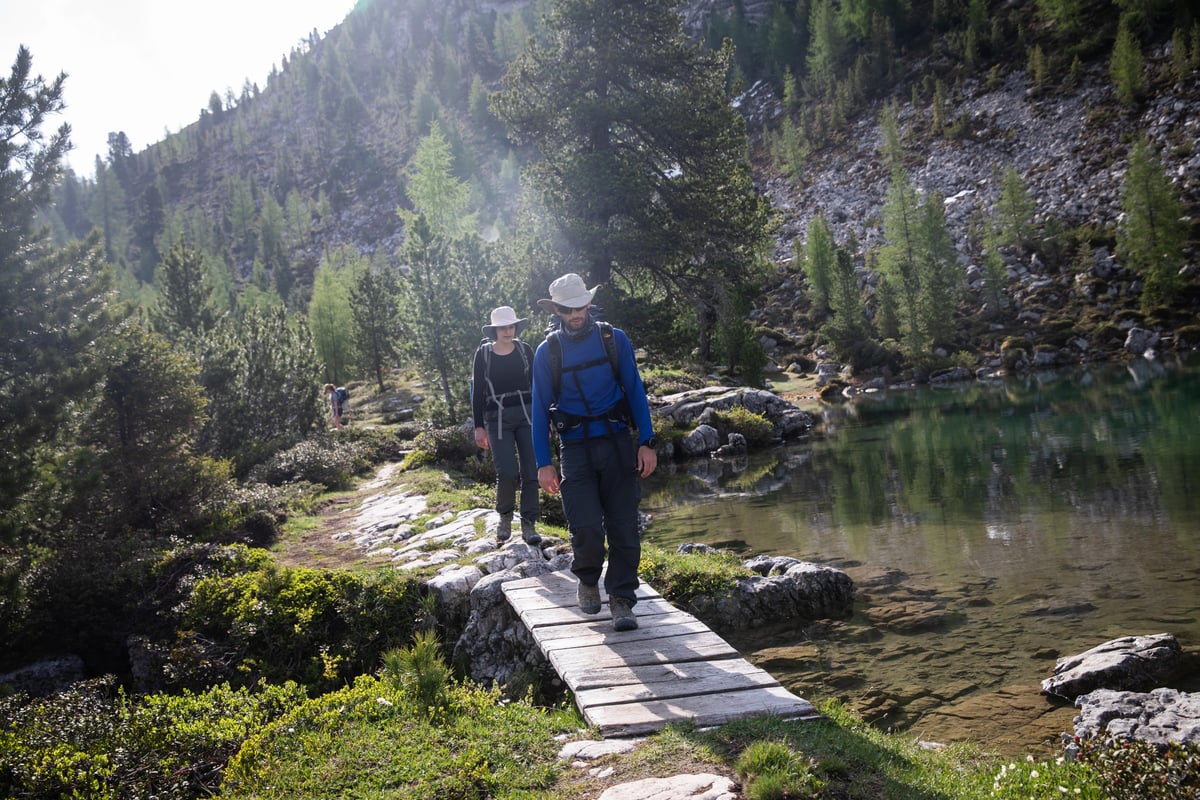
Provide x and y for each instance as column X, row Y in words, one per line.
column 147, row 67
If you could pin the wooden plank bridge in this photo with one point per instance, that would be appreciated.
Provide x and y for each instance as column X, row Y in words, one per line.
column 671, row 669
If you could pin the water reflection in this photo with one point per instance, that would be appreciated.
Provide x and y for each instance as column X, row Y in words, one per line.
column 990, row 527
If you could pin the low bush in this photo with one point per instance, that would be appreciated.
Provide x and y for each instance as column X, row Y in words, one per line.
column 757, row 429
column 372, row 739
column 445, row 446
column 331, row 461
column 1136, row 769
column 96, row 742
column 241, row 618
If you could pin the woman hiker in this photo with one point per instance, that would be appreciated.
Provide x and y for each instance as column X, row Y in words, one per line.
column 500, row 409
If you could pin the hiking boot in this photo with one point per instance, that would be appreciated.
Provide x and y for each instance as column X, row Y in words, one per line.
column 622, row 614
column 504, row 529
column 528, row 533
column 589, row 599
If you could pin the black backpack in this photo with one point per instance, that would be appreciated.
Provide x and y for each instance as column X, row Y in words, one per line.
column 342, row 394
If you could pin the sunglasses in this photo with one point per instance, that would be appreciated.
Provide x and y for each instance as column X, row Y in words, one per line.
column 565, row 310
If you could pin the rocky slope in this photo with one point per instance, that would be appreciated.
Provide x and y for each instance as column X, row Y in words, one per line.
column 1071, row 150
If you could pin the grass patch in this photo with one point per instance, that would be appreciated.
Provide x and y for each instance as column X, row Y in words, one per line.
column 681, row 577
column 372, row 740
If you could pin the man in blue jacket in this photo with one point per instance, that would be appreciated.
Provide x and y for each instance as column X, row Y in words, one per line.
column 587, row 387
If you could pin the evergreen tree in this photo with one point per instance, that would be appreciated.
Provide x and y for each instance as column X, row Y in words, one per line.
column 134, row 468
column 184, row 304
column 54, row 305
column 330, row 317
column 1154, row 231
column 941, row 273
column 437, row 334
column 900, row 258
column 1014, row 210
column 847, row 330
column 435, row 192
column 1127, row 68
column 374, row 302
column 263, row 382
column 820, row 261
column 643, row 158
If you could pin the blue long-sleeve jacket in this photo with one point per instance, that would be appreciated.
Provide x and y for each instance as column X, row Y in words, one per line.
column 596, row 381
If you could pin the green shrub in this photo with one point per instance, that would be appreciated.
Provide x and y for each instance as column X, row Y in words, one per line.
column 1131, row 768
column 331, row 461
column 683, row 576
column 242, row 618
column 421, row 671
column 757, row 429
column 445, row 446
column 363, row 741
column 662, row 381
column 94, row 742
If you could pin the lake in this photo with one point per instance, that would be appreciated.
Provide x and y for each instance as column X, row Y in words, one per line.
column 990, row 527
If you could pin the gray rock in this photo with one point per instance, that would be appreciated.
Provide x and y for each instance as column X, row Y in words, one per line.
column 44, row 677
column 1133, row 663
column 804, row 591
column 679, row 787
column 1160, row 716
column 1139, row 340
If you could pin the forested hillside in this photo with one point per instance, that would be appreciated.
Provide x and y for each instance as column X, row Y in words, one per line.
column 312, row 168
column 912, row 189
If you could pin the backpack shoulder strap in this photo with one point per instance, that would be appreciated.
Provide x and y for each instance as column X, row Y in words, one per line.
column 610, row 347
column 554, row 351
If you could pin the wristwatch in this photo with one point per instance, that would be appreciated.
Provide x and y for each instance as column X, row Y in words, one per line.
column 652, row 443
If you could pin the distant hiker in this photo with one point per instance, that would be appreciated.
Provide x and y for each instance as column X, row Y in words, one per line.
column 592, row 405
column 500, row 400
column 338, row 399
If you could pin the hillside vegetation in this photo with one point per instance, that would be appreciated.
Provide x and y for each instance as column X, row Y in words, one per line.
column 903, row 188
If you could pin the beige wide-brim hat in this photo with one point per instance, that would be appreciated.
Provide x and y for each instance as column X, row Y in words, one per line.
column 568, row 291
column 503, row 317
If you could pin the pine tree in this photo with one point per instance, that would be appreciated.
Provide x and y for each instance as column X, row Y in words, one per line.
column 1127, row 68
column 820, row 262
column 1154, row 231
column 374, row 302
column 643, row 158
column 1014, row 210
column 941, row 272
column 435, row 192
column 330, row 318
column 847, row 330
column 900, row 258
column 436, row 333
column 184, row 306
column 54, row 305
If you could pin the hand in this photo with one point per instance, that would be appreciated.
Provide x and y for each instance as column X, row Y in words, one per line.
column 548, row 478
column 481, row 439
column 647, row 461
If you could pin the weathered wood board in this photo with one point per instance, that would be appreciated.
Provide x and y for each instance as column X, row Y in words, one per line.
column 671, row 669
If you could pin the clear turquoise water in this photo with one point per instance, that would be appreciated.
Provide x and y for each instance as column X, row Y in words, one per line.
column 1033, row 518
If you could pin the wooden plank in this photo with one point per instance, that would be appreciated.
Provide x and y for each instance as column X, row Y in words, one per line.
column 537, row 618
column 586, row 679
column 710, row 683
column 635, row 719
column 654, row 651
column 665, row 623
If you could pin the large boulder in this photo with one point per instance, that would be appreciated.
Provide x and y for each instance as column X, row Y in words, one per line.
column 1159, row 717
column 783, row 589
column 1131, row 663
